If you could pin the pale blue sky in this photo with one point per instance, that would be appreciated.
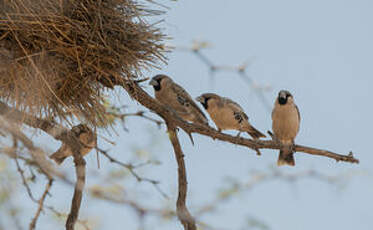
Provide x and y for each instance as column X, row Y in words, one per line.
column 322, row 51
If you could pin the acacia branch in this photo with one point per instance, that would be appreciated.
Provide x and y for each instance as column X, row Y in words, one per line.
column 41, row 204
column 80, row 164
column 38, row 155
column 50, row 127
column 136, row 92
column 60, row 133
column 131, row 168
column 181, row 210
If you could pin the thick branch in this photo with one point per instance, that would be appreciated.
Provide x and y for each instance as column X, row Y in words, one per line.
column 182, row 211
column 37, row 154
column 136, row 92
column 80, row 164
column 55, row 130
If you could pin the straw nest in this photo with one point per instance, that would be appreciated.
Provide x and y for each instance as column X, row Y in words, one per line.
column 57, row 56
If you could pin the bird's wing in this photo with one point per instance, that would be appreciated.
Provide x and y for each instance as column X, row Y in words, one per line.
column 237, row 109
column 185, row 99
column 273, row 110
column 296, row 107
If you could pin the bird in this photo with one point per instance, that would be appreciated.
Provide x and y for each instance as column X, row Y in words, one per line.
column 87, row 138
column 175, row 97
column 227, row 114
column 285, row 125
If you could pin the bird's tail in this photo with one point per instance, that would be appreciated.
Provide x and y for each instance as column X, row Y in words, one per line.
column 58, row 157
column 286, row 157
column 254, row 133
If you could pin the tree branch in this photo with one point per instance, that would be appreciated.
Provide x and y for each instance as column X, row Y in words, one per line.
column 181, row 210
column 50, row 127
column 38, row 155
column 131, row 168
column 41, row 204
column 80, row 164
column 136, row 92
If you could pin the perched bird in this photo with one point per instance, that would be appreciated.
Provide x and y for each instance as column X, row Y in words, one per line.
column 87, row 139
column 175, row 97
column 227, row 114
column 285, row 125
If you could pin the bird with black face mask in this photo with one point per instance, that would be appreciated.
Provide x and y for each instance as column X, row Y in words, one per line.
column 285, row 125
column 227, row 114
column 175, row 97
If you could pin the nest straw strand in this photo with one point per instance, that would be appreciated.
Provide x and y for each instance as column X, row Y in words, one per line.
column 57, row 56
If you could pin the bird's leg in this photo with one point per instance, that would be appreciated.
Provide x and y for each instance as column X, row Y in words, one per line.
column 238, row 134
column 292, row 147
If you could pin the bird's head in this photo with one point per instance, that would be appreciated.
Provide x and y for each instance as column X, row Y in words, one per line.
column 158, row 81
column 205, row 98
column 284, row 97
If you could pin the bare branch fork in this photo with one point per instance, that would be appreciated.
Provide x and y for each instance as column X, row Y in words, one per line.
column 80, row 181
column 240, row 70
column 65, row 135
column 60, row 133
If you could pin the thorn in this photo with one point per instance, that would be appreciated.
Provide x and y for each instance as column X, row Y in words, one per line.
column 258, row 153
column 191, row 138
column 141, row 80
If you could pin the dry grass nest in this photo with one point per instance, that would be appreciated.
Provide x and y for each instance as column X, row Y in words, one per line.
column 57, row 56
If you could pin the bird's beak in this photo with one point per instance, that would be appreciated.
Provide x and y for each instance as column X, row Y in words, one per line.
column 153, row 82
column 200, row 99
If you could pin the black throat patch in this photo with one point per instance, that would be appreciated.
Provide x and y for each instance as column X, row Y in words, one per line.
column 204, row 103
column 282, row 101
column 158, row 86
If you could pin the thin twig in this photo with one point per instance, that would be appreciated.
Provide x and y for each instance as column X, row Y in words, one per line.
column 24, row 181
column 257, row 178
column 41, row 204
column 121, row 116
column 240, row 70
column 131, row 169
